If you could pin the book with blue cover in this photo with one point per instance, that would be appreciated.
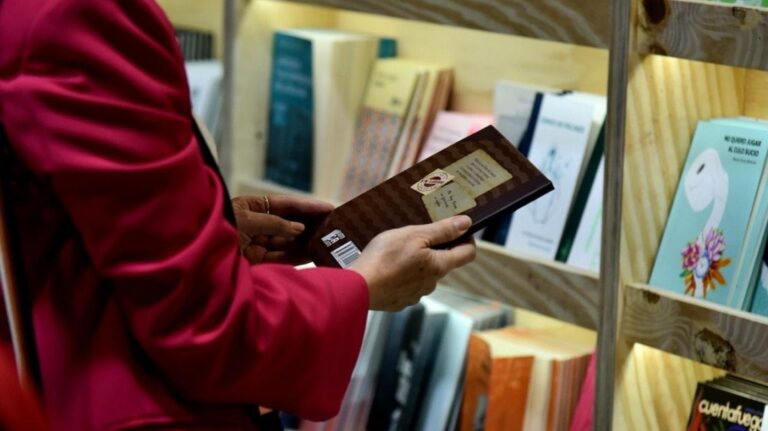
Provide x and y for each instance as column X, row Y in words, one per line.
column 702, row 251
column 290, row 136
column 317, row 84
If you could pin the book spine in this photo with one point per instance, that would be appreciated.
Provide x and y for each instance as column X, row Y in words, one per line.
column 580, row 200
column 290, row 131
column 497, row 232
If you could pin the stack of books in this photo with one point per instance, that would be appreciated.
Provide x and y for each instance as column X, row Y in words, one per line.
column 453, row 362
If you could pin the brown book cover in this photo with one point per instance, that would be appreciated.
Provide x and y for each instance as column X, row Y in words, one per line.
column 481, row 176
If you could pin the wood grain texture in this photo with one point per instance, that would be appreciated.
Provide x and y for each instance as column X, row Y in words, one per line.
column 712, row 32
column 571, row 21
column 655, row 390
column 722, row 337
column 549, row 288
column 666, row 99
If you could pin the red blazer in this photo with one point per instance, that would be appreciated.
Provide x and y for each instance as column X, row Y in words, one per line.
column 145, row 313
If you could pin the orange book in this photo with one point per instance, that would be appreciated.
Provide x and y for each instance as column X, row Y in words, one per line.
column 508, row 393
column 476, row 378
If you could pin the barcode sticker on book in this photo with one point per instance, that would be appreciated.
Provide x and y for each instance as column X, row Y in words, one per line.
column 346, row 254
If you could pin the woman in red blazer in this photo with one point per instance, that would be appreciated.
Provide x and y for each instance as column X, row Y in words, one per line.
column 146, row 314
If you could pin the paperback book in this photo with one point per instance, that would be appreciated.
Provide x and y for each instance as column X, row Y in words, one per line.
column 728, row 403
column 704, row 251
column 312, row 118
column 558, row 147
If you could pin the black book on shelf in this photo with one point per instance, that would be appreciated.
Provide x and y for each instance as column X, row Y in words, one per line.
column 728, row 403
column 400, row 348
column 195, row 44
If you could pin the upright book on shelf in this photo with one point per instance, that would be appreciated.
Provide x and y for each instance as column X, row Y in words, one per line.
column 312, row 117
column 480, row 176
column 524, row 379
column 701, row 251
column 728, row 403
column 558, row 147
column 204, row 78
column 584, row 250
column 392, row 98
column 449, row 127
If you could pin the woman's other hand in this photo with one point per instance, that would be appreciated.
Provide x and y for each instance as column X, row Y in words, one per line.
column 401, row 265
column 268, row 227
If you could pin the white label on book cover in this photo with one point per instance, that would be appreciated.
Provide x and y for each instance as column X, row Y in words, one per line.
column 450, row 200
column 432, row 182
column 585, row 251
column 346, row 254
column 332, row 238
column 478, row 173
column 764, row 426
column 558, row 149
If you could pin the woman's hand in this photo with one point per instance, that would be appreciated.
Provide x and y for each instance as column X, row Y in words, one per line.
column 401, row 266
column 268, row 227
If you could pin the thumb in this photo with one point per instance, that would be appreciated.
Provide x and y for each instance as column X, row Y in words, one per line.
column 445, row 230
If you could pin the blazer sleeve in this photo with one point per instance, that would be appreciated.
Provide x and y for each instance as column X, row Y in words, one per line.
column 104, row 113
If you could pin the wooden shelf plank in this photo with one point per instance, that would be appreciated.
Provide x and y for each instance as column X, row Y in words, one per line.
column 570, row 21
column 549, row 288
column 711, row 32
column 724, row 338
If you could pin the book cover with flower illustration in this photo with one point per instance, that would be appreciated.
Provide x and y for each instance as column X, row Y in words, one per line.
column 701, row 250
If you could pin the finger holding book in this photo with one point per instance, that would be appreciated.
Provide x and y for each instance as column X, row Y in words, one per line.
column 401, row 265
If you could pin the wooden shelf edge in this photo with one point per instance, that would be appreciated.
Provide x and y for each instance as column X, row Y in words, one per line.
column 549, row 288
column 704, row 31
column 732, row 340
column 569, row 21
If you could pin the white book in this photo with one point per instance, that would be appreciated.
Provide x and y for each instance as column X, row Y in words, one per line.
column 558, row 149
column 512, row 107
column 446, row 371
column 204, row 78
column 585, row 251
column 359, row 397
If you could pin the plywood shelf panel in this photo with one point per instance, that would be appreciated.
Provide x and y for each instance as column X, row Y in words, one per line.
column 570, row 21
column 708, row 333
column 705, row 31
column 549, row 288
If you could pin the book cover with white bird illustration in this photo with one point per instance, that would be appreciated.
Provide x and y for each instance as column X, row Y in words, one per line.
column 701, row 249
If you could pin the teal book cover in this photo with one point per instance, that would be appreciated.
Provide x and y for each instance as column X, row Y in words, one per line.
column 706, row 228
column 758, row 3
column 290, row 133
column 760, row 295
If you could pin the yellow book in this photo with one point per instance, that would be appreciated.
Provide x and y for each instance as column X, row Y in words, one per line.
column 388, row 97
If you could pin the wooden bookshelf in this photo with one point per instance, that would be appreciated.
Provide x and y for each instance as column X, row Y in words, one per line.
column 549, row 288
column 669, row 91
column 724, row 338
